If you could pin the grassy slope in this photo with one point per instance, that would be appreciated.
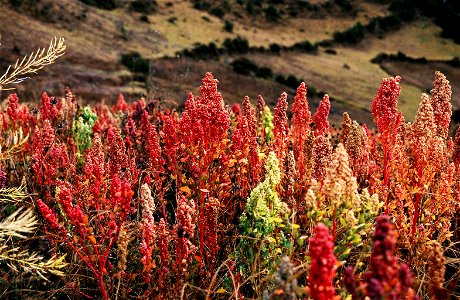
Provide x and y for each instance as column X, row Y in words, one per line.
column 101, row 30
column 358, row 83
column 96, row 42
column 419, row 39
column 292, row 30
column 174, row 78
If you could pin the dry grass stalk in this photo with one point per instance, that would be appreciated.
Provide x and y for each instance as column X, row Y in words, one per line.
column 32, row 63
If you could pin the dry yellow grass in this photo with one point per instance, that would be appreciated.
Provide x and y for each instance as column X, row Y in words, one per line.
column 105, row 34
column 409, row 100
column 355, row 84
column 358, row 82
column 292, row 30
column 96, row 42
column 418, row 39
column 189, row 28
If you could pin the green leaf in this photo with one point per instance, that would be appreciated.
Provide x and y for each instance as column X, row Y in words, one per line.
column 295, row 226
column 346, row 252
column 276, row 220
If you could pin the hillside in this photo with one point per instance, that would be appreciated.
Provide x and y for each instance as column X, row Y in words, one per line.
column 295, row 39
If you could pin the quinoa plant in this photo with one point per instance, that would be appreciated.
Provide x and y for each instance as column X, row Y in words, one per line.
column 143, row 201
column 82, row 129
column 263, row 239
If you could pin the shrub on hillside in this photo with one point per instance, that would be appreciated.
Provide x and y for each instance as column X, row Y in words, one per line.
column 275, row 48
column 244, row 66
column 104, row 4
column 144, row 6
column 135, row 62
column 264, row 72
column 237, row 45
column 272, row 14
column 351, row 36
column 217, row 11
column 228, row 26
column 305, row 46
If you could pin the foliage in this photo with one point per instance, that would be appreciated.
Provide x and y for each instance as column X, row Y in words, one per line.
column 135, row 62
column 103, row 4
column 144, row 6
column 142, row 201
column 272, row 14
column 352, row 36
column 386, row 278
column 18, row 225
column 82, row 129
column 228, row 26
